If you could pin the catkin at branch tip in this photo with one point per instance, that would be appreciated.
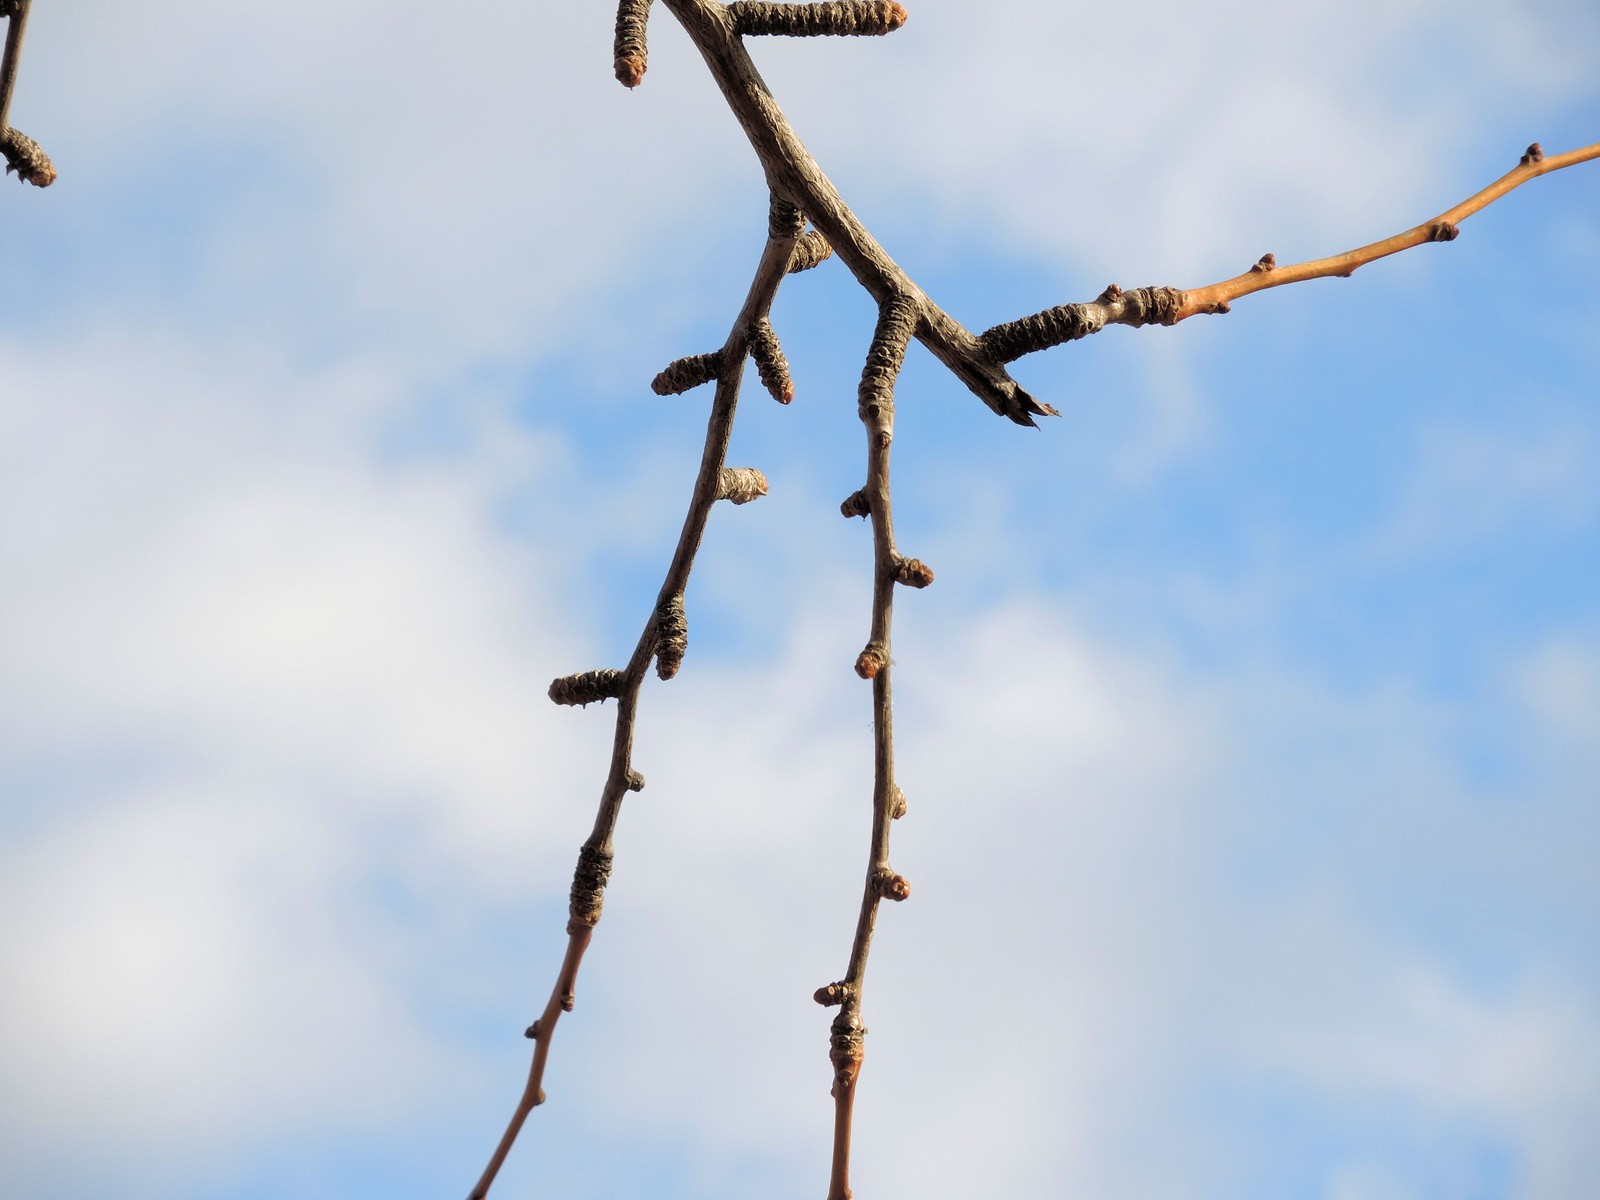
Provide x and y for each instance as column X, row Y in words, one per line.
column 682, row 374
column 859, row 18
column 672, row 636
column 27, row 158
column 1069, row 322
column 741, row 484
column 629, row 57
column 587, row 687
column 871, row 660
column 811, row 249
column 770, row 362
column 588, row 887
column 897, row 321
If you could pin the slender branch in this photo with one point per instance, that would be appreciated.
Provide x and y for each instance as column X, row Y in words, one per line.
column 16, row 12
column 1168, row 306
column 713, row 482
column 1217, row 297
column 897, row 321
column 23, row 155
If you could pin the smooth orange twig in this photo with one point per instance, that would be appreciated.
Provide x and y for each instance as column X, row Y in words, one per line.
column 1217, row 297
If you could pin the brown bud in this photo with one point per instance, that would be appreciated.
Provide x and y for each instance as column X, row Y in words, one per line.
column 1113, row 292
column 890, row 886
column 532, row 1031
column 635, row 781
column 833, row 995
column 897, row 804
column 741, row 484
column 1265, row 263
column 1533, row 154
column 872, row 660
column 912, row 572
column 856, row 504
column 1220, row 307
column 1443, row 231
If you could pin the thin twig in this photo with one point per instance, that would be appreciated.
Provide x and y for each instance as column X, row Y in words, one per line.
column 589, row 878
column 1443, row 228
column 1168, row 306
column 897, row 321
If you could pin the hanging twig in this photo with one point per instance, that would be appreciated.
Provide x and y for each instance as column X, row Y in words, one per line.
column 595, row 857
column 23, row 155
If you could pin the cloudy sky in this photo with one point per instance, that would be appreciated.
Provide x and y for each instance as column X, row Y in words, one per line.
column 1250, row 731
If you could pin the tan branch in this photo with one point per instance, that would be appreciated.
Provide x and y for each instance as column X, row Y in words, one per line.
column 1217, row 297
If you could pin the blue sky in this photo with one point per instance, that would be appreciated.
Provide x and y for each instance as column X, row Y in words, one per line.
column 1251, row 728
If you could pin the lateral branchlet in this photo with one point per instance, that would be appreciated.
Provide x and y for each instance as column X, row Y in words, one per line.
column 629, row 55
column 587, row 687
column 897, row 804
column 588, row 893
column 740, row 485
column 871, row 660
column 912, row 572
column 833, row 995
column 811, row 249
column 682, row 374
column 672, row 636
column 841, row 18
column 856, row 504
column 770, row 362
column 1533, row 154
column 26, row 158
